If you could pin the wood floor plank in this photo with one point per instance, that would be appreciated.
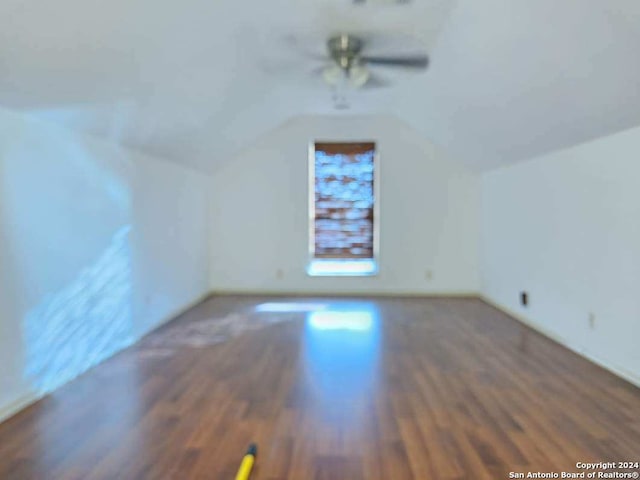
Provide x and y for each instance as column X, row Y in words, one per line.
column 348, row 389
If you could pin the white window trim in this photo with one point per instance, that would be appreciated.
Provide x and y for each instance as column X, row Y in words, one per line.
column 348, row 267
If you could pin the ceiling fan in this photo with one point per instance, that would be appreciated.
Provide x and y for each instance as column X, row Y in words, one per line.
column 350, row 66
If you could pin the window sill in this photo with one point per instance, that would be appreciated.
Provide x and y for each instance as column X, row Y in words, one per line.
column 342, row 268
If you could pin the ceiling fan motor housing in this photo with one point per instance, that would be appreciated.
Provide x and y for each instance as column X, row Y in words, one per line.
column 344, row 49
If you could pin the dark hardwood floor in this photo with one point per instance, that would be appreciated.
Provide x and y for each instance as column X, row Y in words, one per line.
column 397, row 388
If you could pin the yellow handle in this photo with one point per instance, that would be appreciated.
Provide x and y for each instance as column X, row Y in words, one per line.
column 245, row 468
column 247, row 464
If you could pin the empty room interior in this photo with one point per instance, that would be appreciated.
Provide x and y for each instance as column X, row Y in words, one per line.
column 319, row 239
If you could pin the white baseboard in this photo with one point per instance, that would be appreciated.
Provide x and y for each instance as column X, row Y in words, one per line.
column 343, row 293
column 175, row 314
column 580, row 350
column 21, row 403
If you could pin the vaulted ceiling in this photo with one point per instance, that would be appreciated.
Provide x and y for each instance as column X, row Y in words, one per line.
column 197, row 81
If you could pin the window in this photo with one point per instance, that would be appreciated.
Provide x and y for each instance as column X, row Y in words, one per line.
column 343, row 235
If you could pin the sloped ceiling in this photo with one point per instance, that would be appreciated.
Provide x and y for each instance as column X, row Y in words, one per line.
column 199, row 80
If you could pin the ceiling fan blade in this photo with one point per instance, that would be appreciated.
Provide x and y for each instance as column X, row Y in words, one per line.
column 419, row 62
column 376, row 81
column 317, row 57
column 318, row 71
column 308, row 47
column 389, row 44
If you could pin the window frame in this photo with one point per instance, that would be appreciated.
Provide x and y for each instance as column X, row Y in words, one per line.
column 314, row 263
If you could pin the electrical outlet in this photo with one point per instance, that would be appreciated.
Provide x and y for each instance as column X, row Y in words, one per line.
column 524, row 299
column 279, row 274
column 592, row 320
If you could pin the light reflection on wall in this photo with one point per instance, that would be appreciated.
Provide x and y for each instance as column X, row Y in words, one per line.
column 77, row 327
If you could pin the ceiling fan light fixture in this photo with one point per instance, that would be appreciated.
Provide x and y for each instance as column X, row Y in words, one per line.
column 333, row 75
column 354, row 77
column 358, row 75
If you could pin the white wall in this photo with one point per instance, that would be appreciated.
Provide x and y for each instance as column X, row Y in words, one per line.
column 429, row 213
column 97, row 246
column 566, row 228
